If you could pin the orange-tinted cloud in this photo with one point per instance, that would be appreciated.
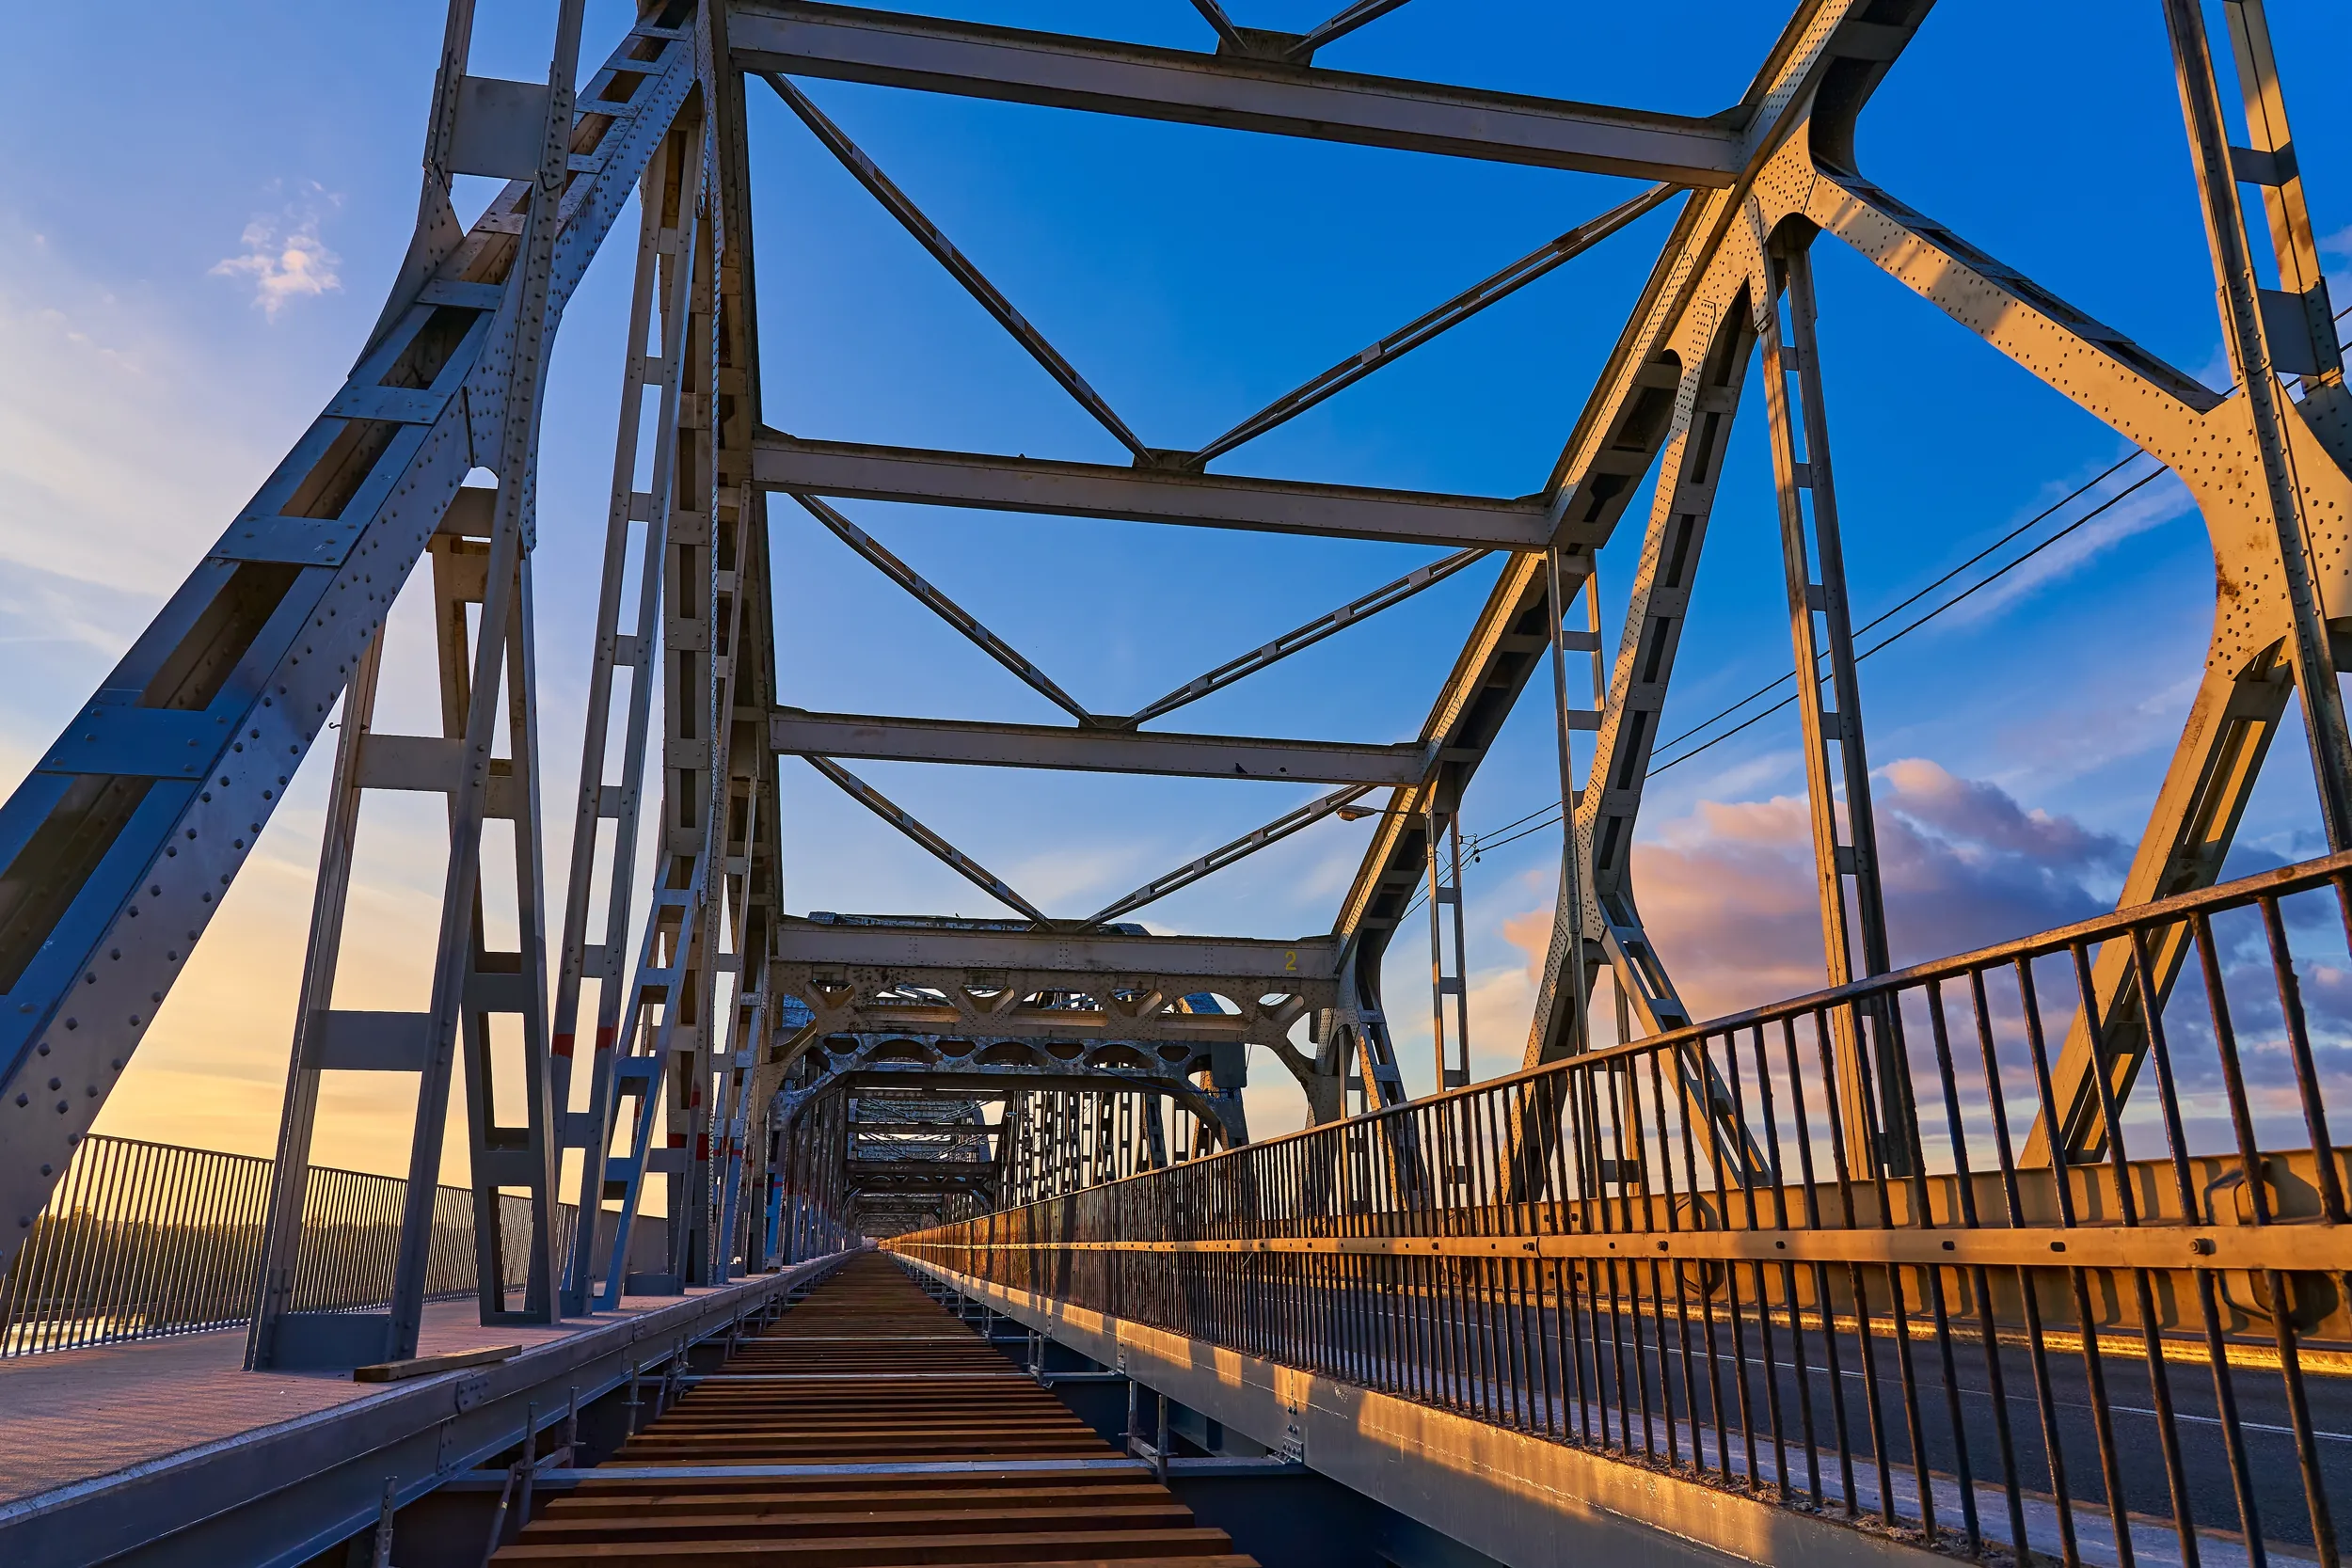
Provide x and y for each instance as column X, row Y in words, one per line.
column 1728, row 893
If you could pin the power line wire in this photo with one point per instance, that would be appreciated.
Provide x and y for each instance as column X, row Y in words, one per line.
column 1496, row 838
column 1898, row 636
column 1896, row 610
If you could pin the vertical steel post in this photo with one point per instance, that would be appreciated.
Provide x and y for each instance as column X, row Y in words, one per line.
column 666, row 242
column 1571, row 907
column 290, row 1176
column 1820, row 629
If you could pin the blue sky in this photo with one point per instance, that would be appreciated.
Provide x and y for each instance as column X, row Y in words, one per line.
column 191, row 252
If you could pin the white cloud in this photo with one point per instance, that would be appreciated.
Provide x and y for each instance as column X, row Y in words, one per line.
column 284, row 256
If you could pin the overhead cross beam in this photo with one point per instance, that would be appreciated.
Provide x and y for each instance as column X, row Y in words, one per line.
column 947, row 954
column 1231, row 90
column 795, row 732
column 1143, row 494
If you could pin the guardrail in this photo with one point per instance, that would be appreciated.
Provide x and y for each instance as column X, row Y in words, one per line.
column 142, row 1241
column 1799, row 1253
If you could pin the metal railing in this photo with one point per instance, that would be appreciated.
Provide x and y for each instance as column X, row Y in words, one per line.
column 142, row 1241
column 1685, row 1252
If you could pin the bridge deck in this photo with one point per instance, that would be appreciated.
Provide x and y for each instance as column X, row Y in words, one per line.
column 79, row 1414
column 870, row 1427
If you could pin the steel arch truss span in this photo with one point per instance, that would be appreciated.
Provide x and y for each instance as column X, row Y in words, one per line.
column 712, row 1060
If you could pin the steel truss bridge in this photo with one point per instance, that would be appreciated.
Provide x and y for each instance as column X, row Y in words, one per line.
column 2036, row 1250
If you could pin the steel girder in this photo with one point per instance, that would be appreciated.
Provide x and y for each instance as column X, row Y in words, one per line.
column 1172, row 494
column 1007, row 63
column 794, row 732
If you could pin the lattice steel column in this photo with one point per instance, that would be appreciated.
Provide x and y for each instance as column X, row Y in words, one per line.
column 1445, row 892
column 1575, row 964
column 282, row 1237
column 627, row 638
column 1821, row 630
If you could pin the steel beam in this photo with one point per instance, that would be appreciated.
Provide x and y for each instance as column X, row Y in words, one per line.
column 1025, row 1023
column 1063, row 72
column 743, row 668
column 663, row 286
column 1836, row 763
column 793, row 732
column 1432, row 324
column 924, row 477
column 922, row 954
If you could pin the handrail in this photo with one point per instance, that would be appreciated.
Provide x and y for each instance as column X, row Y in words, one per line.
column 144, row 1240
column 1763, row 1247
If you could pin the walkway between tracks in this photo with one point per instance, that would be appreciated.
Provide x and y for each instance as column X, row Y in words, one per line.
column 868, row 1426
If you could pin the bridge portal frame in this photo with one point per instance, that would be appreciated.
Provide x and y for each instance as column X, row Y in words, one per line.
column 122, row 819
